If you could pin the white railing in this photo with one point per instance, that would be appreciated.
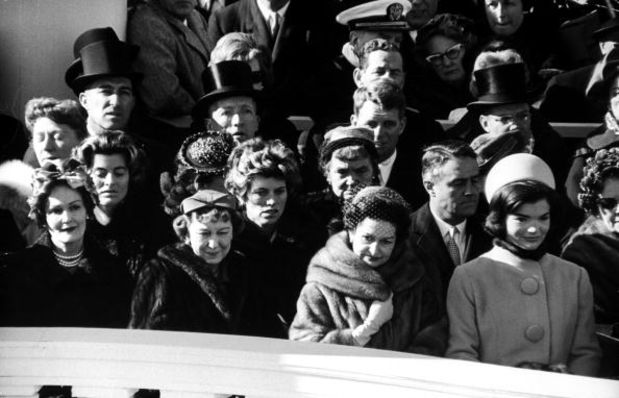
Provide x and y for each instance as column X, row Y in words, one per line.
column 116, row 363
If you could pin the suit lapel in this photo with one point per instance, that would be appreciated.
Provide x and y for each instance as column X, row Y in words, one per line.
column 431, row 241
column 191, row 37
column 258, row 26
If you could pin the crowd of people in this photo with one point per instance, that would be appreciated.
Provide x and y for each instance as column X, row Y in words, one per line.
column 175, row 193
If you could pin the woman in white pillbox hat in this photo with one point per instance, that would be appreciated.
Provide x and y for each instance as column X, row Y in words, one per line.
column 518, row 305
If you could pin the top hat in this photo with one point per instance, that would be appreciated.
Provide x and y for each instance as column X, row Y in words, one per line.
column 376, row 15
column 608, row 31
column 223, row 80
column 498, row 85
column 99, row 53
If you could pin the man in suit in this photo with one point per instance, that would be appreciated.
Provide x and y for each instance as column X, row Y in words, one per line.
column 381, row 69
column 445, row 230
column 173, row 53
column 293, row 32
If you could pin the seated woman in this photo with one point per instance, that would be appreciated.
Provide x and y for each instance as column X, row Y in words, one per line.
column 595, row 246
column 199, row 284
column 604, row 137
column 64, row 279
column 127, row 222
column 366, row 286
column 279, row 237
column 517, row 305
column 447, row 44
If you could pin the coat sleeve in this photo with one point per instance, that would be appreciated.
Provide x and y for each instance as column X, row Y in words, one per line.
column 150, row 297
column 464, row 340
column 585, row 354
column 315, row 321
column 160, row 88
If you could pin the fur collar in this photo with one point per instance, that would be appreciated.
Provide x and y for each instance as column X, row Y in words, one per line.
column 337, row 267
column 593, row 226
column 181, row 256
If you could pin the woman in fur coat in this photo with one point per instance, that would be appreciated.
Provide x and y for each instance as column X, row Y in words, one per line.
column 366, row 286
column 201, row 283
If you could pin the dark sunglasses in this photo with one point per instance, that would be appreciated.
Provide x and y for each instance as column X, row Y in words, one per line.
column 452, row 52
column 607, row 203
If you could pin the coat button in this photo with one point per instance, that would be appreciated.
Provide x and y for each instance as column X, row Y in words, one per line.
column 529, row 286
column 534, row 333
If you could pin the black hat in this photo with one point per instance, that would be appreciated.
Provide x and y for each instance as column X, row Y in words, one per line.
column 99, row 53
column 222, row 80
column 608, row 31
column 498, row 85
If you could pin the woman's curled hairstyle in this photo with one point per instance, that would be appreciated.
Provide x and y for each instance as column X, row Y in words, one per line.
column 112, row 142
column 604, row 165
column 265, row 158
column 66, row 112
column 69, row 174
column 378, row 203
column 511, row 196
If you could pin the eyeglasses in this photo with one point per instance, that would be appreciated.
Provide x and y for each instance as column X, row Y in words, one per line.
column 607, row 203
column 507, row 119
column 452, row 52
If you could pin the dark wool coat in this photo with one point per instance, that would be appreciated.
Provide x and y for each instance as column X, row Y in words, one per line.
column 595, row 248
column 178, row 291
column 340, row 289
column 37, row 291
column 279, row 262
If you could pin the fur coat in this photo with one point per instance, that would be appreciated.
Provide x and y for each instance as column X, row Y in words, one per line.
column 595, row 248
column 178, row 291
column 340, row 288
column 35, row 290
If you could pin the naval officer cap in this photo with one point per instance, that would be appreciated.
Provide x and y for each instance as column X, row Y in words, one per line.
column 376, row 15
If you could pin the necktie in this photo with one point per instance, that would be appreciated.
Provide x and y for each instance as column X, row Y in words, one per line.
column 452, row 247
column 275, row 22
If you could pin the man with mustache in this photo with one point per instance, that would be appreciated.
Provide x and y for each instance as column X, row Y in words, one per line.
column 445, row 229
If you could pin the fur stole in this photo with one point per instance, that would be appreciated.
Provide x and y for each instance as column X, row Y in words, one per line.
column 339, row 268
column 593, row 226
column 180, row 255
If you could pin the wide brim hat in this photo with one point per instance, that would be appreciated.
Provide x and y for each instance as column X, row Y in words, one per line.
column 100, row 54
column 500, row 85
column 224, row 80
column 517, row 167
column 378, row 15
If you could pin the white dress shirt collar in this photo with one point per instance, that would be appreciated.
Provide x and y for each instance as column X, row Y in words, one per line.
column 385, row 168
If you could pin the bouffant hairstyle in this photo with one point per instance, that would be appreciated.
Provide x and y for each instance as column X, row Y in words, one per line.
column 66, row 112
column 111, row 142
column 513, row 195
column 378, row 203
column 382, row 92
column 600, row 167
column 435, row 156
column 213, row 214
column 264, row 158
column 49, row 177
column 452, row 26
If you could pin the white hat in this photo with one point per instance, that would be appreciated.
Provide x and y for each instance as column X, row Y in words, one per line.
column 519, row 166
column 376, row 15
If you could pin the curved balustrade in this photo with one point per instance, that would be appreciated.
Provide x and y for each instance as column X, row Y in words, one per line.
column 116, row 363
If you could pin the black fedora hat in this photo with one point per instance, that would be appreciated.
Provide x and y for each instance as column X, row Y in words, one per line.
column 223, row 80
column 499, row 85
column 99, row 53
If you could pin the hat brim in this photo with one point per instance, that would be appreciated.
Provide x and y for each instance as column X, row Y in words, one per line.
column 479, row 105
column 201, row 109
column 78, row 82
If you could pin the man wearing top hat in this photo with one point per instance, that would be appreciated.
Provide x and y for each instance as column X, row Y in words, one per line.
column 102, row 78
column 230, row 103
column 173, row 53
column 294, row 32
column 501, row 121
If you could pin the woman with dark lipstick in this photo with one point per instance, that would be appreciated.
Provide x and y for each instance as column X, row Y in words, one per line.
column 517, row 305
column 64, row 279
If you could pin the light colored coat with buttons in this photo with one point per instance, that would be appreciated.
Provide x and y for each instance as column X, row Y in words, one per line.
column 507, row 310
